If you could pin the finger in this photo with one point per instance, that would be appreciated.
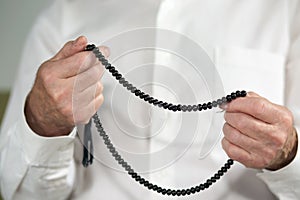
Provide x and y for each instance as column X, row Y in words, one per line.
column 257, row 107
column 249, row 125
column 83, row 115
column 78, row 63
column 252, row 94
column 237, row 138
column 71, row 48
column 88, row 78
column 236, row 153
column 83, row 98
column 74, row 65
column 105, row 51
column 96, row 104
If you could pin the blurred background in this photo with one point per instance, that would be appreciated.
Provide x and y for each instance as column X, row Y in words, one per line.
column 16, row 20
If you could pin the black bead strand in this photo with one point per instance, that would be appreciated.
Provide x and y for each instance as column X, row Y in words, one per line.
column 146, row 183
column 173, row 107
column 151, row 100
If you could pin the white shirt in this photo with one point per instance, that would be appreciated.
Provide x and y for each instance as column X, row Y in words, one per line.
column 255, row 46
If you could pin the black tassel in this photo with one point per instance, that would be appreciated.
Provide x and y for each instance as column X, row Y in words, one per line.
column 87, row 143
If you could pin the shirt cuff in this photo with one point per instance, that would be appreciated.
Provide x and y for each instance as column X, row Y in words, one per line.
column 284, row 183
column 39, row 150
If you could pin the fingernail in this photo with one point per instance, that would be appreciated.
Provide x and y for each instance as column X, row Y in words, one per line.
column 224, row 106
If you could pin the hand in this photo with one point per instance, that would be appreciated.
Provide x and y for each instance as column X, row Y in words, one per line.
column 258, row 133
column 67, row 90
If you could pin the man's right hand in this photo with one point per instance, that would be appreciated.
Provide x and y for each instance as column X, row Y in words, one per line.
column 67, row 90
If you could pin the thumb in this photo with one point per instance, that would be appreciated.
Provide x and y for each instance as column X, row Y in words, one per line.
column 71, row 48
column 252, row 94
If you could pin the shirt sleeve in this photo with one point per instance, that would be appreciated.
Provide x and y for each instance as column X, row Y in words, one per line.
column 285, row 183
column 31, row 166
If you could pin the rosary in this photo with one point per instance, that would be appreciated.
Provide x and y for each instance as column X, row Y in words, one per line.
column 88, row 157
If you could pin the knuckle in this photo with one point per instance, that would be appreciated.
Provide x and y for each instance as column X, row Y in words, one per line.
column 44, row 73
column 265, row 161
column 249, row 161
column 260, row 107
column 99, row 101
column 278, row 139
column 269, row 155
column 63, row 101
column 96, row 104
column 238, row 121
column 81, row 119
column 66, row 111
column 256, row 127
column 56, row 97
column 241, row 123
column 232, row 136
column 223, row 143
column 231, row 153
column 287, row 118
column 60, row 96
column 225, row 129
column 100, row 87
column 101, row 98
column 230, row 150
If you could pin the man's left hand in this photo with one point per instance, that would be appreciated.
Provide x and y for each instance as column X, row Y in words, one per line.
column 259, row 134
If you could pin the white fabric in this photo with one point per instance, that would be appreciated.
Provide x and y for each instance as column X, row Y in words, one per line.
column 255, row 46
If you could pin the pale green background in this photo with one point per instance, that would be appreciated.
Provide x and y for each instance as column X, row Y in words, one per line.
column 16, row 19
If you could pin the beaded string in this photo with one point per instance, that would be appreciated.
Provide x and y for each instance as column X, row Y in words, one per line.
column 165, row 105
column 151, row 100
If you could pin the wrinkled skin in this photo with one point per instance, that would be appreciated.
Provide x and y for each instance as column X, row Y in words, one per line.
column 258, row 133
column 67, row 90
